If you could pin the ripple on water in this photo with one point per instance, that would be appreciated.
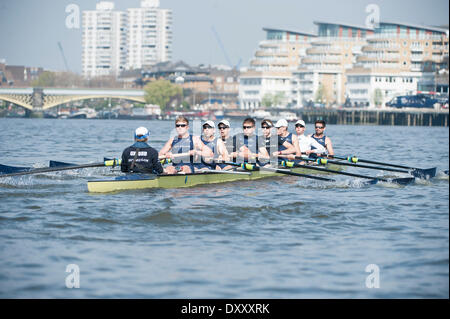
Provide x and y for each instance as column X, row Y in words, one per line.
column 159, row 217
column 274, row 238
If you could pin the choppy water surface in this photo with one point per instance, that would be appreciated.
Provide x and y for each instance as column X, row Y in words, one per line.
column 274, row 238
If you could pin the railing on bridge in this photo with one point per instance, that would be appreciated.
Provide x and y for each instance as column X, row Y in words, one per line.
column 39, row 99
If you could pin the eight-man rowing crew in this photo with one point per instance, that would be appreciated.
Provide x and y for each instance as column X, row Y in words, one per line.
column 189, row 153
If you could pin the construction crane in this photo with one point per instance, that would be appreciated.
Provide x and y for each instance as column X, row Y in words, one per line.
column 63, row 56
column 223, row 50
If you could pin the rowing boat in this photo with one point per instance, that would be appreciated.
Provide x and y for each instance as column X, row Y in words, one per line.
column 142, row 181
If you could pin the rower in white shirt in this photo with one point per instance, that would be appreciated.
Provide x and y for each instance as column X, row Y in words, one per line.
column 306, row 143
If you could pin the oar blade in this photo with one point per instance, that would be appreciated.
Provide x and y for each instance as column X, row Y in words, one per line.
column 424, row 173
column 6, row 169
column 59, row 164
column 372, row 182
column 404, row 181
column 400, row 181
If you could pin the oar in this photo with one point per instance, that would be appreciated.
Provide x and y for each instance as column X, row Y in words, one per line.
column 6, row 169
column 401, row 181
column 163, row 157
column 417, row 172
column 227, row 172
column 252, row 167
column 114, row 162
column 59, row 164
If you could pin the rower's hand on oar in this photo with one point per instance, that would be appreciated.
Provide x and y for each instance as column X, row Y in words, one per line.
column 195, row 153
column 233, row 154
column 290, row 156
column 169, row 155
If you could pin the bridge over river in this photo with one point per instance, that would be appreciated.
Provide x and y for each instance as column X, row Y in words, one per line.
column 37, row 100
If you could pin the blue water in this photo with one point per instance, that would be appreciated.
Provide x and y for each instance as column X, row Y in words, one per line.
column 274, row 238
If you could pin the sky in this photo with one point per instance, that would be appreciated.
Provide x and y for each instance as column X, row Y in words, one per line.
column 31, row 29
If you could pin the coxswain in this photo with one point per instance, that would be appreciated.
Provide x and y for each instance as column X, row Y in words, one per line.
column 140, row 157
column 182, row 149
column 323, row 140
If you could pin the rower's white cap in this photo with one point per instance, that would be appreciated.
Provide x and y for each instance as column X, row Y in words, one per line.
column 301, row 122
column 141, row 132
column 210, row 123
column 225, row 122
column 281, row 123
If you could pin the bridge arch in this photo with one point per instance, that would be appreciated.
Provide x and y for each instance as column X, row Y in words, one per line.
column 16, row 101
column 51, row 101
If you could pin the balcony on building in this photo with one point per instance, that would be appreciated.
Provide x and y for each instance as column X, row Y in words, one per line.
column 417, row 57
column 323, row 50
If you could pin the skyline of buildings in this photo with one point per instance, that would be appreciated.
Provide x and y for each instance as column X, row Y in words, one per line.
column 366, row 66
column 114, row 41
column 339, row 62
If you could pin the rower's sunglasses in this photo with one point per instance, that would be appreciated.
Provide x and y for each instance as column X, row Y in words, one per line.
column 206, row 127
column 180, row 125
column 223, row 127
column 320, row 127
column 299, row 125
column 247, row 127
column 265, row 127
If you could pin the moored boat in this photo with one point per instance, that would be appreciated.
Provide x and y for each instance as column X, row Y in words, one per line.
column 142, row 181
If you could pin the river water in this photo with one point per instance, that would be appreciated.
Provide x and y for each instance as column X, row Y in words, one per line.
column 275, row 238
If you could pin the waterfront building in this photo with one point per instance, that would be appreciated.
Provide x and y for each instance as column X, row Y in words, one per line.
column 188, row 77
column 397, row 59
column 149, row 35
column 114, row 40
column 321, row 75
column 225, row 87
column 270, row 71
column 104, row 41
column 18, row 75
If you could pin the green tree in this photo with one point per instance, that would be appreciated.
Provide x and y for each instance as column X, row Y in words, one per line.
column 46, row 79
column 186, row 105
column 58, row 79
column 161, row 92
column 320, row 94
column 278, row 98
column 378, row 97
column 267, row 100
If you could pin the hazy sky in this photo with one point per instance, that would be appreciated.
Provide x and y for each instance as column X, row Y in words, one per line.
column 31, row 29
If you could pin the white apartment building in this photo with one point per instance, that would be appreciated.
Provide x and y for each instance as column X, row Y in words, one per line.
column 104, row 41
column 270, row 70
column 255, row 86
column 114, row 40
column 376, row 87
column 324, row 66
column 149, row 35
column 393, row 60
